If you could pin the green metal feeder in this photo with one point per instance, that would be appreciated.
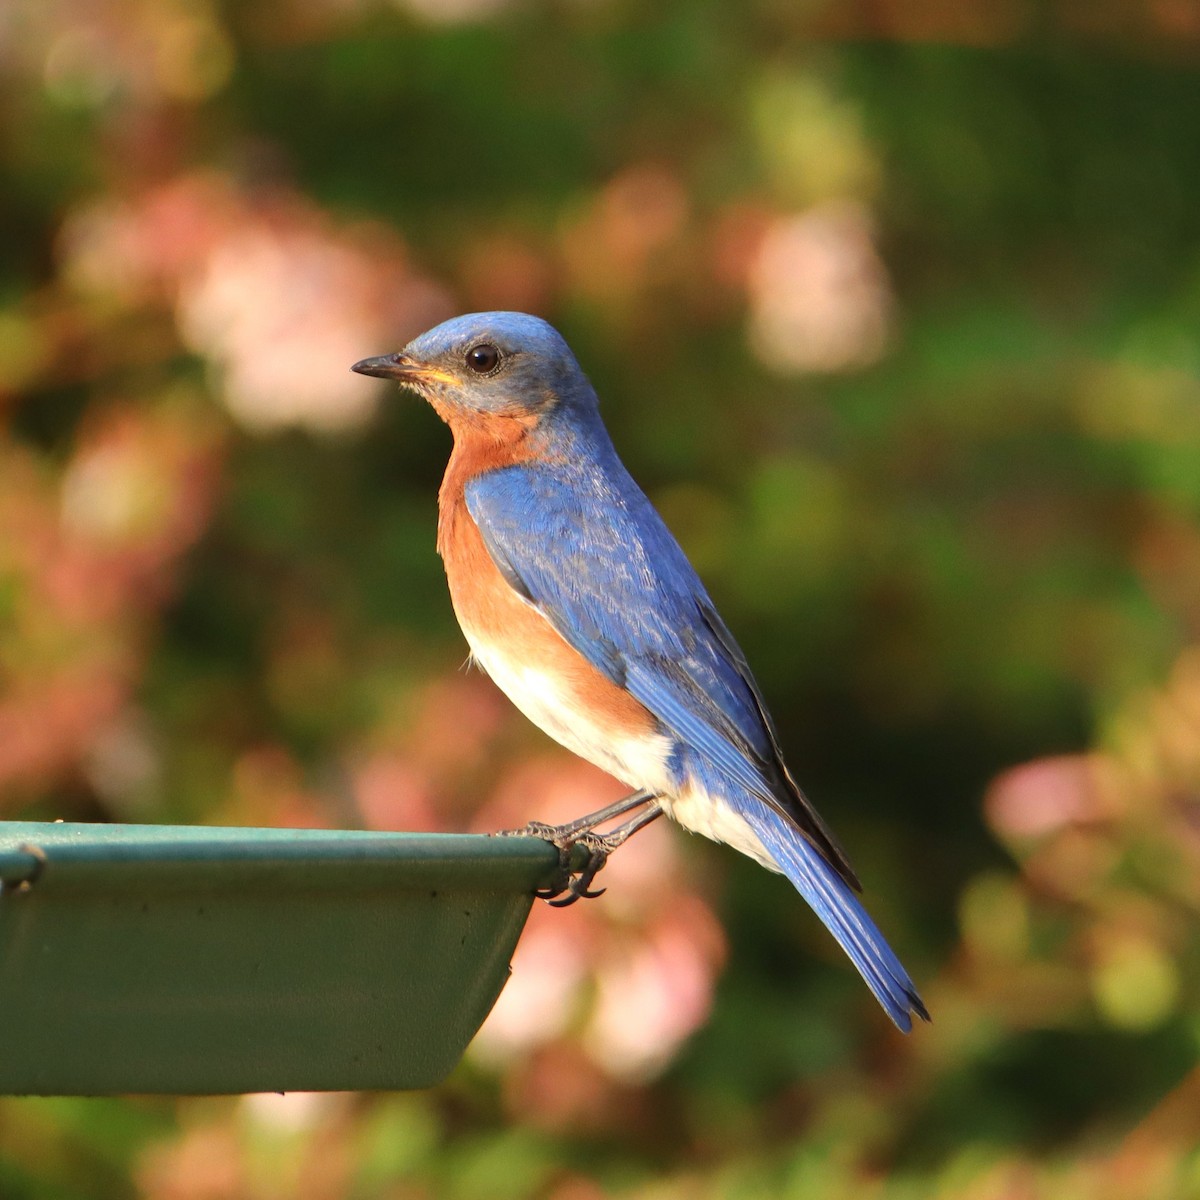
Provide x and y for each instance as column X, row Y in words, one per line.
column 154, row 959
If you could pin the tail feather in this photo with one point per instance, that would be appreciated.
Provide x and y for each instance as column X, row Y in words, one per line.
column 841, row 913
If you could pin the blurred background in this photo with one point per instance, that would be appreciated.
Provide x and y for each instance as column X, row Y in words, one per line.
column 893, row 307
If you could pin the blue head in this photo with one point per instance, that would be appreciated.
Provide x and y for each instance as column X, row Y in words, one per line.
column 498, row 364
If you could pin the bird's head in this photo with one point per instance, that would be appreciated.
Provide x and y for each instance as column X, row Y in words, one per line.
column 482, row 365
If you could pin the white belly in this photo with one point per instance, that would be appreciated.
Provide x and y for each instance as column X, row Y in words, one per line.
column 638, row 760
column 713, row 817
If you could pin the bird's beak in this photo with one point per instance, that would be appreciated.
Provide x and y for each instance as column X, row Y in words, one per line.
column 403, row 369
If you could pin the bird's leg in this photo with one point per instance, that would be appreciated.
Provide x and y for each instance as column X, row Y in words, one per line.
column 600, row 846
column 565, row 837
column 568, row 833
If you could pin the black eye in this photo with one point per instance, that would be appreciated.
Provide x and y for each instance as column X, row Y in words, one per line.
column 483, row 358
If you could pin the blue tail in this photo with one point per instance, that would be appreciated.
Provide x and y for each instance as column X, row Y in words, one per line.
column 840, row 911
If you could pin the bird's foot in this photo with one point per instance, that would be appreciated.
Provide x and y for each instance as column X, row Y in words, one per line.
column 578, row 883
column 572, row 883
column 569, row 884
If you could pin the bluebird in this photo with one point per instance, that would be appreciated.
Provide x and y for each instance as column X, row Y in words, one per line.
column 578, row 602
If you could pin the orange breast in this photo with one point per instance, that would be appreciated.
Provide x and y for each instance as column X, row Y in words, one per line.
column 545, row 677
column 494, row 616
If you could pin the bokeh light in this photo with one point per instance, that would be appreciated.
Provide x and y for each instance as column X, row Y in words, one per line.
column 892, row 309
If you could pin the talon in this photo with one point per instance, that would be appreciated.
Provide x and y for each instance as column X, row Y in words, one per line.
column 578, row 891
column 600, row 850
column 578, row 884
column 562, row 880
column 580, row 887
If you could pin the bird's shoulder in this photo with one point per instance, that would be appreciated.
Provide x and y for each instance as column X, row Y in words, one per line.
column 574, row 513
column 482, row 447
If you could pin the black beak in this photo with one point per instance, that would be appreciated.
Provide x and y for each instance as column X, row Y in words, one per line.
column 405, row 370
column 387, row 366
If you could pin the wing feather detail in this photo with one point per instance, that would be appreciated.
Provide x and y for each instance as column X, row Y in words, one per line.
column 582, row 543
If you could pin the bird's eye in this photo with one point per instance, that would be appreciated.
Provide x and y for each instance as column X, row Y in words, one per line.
column 483, row 358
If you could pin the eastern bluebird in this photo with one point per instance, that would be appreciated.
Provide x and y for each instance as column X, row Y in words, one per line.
column 577, row 601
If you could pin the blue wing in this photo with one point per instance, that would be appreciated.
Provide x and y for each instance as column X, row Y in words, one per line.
column 580, row 540
column 584, row 544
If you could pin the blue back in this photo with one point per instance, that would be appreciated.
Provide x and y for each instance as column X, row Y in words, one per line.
column 575, row 534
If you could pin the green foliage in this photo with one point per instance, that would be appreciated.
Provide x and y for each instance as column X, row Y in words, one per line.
column 897, row 326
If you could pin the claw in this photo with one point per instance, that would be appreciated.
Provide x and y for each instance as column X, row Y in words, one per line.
column 562, row 878
column 577, row 883
column 575, row 894
column 599, row 847
column 580, row 886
